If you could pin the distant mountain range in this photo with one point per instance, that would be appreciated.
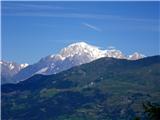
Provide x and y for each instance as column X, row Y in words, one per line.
column 72, row 55
column 104, row 89
column 9, row 69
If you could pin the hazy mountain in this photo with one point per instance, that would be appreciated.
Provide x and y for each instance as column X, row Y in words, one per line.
column 105, row 89
column 9, row 69
column 135, row 56
column 72, row 55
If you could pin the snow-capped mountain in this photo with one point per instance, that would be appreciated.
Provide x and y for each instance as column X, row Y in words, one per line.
column 9, row 69
column 92, row 52
column 135, row 56
column 72, row 55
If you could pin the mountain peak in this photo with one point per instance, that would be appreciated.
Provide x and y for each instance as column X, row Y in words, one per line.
column 79, row 44
column 81, row 49
column 9, row 69
column 136, row 56
column 85, row 50
column 24, row 65
column 72, row 55
column 13, row 65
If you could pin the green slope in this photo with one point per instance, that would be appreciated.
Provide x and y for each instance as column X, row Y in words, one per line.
column 105, row 89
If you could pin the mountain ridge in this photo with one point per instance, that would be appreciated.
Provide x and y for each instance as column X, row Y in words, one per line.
column 9, row 69
column 70, row 56
column 143, row 62
column 101, row 89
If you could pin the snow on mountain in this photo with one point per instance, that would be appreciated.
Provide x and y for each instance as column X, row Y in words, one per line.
column 135, row 56
column 72, row 55
column 42, row 70
column 82, row 48
column 9, row 69
column 93, row 52
column 23, row 65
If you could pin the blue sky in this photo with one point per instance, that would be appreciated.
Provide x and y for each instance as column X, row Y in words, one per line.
column 31, row 30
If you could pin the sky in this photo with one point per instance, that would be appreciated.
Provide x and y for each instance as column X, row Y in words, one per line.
column 32, row 30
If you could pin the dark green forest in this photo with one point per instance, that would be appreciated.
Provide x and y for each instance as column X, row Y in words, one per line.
column 105, row 89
